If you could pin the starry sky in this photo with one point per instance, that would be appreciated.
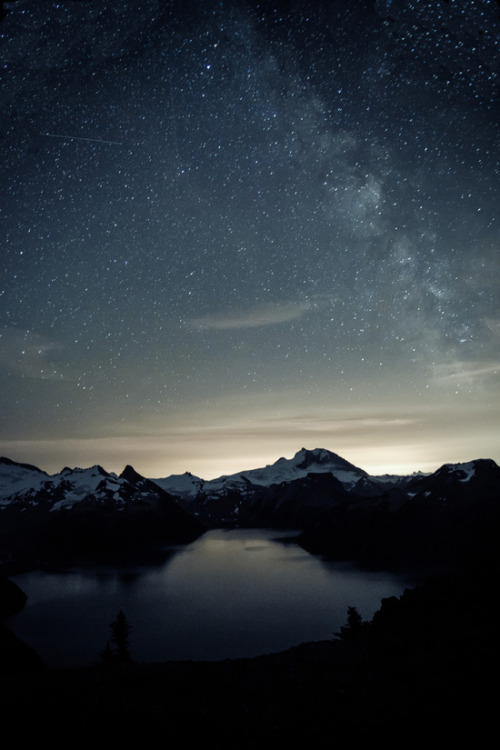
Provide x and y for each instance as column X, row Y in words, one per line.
column 230, row 230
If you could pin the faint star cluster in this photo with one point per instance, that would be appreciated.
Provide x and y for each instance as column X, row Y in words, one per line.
column 217, row 217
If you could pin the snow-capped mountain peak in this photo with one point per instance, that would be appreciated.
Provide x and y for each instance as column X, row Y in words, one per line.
column 88, row 512
column 182, row 485
column 468, row 470
column 65, row 489
column 284, row 470
column 323, row 460
column 306, row 462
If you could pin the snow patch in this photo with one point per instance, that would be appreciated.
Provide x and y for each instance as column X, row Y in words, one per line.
column 469, row 469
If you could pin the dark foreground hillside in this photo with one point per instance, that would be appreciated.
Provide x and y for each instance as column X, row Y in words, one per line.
column 427, row 659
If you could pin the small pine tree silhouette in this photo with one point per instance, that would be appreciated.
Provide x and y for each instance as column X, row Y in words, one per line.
column 354, row 626
column 117, row 648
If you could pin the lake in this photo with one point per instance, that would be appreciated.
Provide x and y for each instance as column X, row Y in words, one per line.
column 229, row 594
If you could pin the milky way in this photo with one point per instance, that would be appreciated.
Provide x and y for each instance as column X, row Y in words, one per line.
column 233, row 229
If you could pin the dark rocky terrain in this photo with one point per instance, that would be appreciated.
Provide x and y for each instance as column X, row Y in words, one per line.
column 426, row 662
column 446, row 521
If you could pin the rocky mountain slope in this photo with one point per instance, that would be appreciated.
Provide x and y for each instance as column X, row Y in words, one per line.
column 304, row 462
column 447, row 519
column 234, row 498
column 86, row 513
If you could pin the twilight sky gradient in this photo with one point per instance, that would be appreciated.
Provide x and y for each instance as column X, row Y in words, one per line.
column 233, row 229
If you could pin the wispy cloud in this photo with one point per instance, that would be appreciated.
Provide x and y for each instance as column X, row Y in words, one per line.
column 457, row 372
column 256, row 316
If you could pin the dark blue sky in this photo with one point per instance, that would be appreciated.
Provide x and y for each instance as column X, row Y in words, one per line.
column 233, row 229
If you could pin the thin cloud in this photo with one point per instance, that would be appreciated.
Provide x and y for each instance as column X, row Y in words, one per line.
column 257, row 316
column 457, row 372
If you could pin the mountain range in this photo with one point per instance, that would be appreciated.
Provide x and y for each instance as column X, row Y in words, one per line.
column 303, row 463
column 86, row 514
column 336, row 508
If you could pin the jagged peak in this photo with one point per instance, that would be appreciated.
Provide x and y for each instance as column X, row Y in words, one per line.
column 130, row 474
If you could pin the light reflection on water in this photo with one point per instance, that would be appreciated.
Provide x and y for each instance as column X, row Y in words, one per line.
column 229, row 594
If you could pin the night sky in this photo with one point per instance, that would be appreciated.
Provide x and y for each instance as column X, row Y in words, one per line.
column 231, row 230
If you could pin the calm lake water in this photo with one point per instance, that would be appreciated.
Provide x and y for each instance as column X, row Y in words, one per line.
column 237, row 593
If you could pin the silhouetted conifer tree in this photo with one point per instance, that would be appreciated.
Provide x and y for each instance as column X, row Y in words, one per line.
column 354, row 627
column 117, row 648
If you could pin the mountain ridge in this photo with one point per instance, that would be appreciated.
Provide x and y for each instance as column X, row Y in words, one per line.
column 303, row 462
column 86, row 515
column 333, row 507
